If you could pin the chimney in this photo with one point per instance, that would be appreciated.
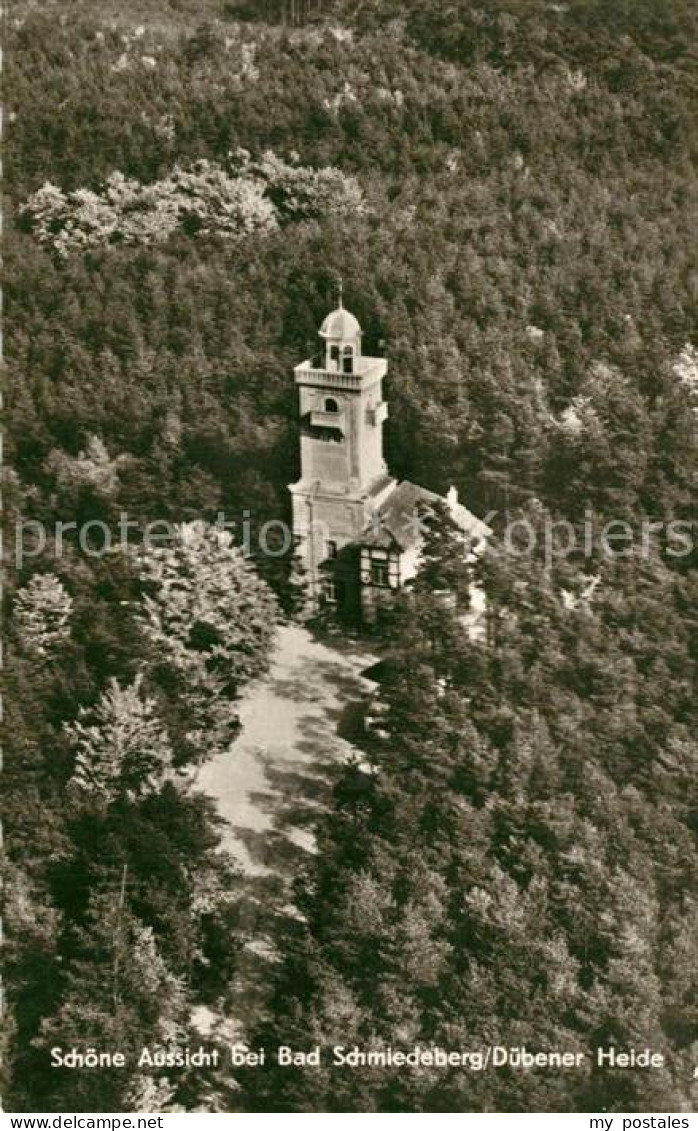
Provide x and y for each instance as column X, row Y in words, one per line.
column 452, row 498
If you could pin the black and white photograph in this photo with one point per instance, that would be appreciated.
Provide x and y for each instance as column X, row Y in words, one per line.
column 350, row 594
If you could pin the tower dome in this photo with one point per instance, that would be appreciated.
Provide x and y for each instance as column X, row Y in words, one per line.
column 340, row 325
column 342, row 334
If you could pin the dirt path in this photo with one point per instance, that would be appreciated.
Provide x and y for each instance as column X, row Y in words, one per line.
column 270, row 783
column 269, row 787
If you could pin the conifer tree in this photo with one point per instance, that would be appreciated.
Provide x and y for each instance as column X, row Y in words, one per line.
column 209, row 621
column 444, row 553
column 117, row 994
column 42, row 612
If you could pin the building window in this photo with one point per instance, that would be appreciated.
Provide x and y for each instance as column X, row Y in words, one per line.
column 329, row 591
column 348, row 360
column 334, row 353
column 331, row 549
column 331, row 405
column 380, row 573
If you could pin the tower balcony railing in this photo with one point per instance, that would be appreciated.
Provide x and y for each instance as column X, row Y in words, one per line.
column 366, row 368
column 327, row 379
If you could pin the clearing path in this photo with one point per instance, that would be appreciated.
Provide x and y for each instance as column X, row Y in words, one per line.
column 276, row 775
column 269, row 787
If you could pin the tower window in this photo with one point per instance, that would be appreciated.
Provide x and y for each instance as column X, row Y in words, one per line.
column 348, row 360
column 331, row 405
column 334, row 353
column 331, row 549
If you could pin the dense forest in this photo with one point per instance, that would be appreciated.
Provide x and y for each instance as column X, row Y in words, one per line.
column 507, row 190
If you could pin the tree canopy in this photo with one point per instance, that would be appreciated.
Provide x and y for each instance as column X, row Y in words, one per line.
column 506, row 190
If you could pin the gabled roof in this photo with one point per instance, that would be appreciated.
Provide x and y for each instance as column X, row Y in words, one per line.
column 399, row 521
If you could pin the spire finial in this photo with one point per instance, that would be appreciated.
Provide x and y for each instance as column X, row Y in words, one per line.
column 340, row 288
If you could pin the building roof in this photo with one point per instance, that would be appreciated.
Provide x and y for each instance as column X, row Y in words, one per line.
column 399, row 521
column 340, row 323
